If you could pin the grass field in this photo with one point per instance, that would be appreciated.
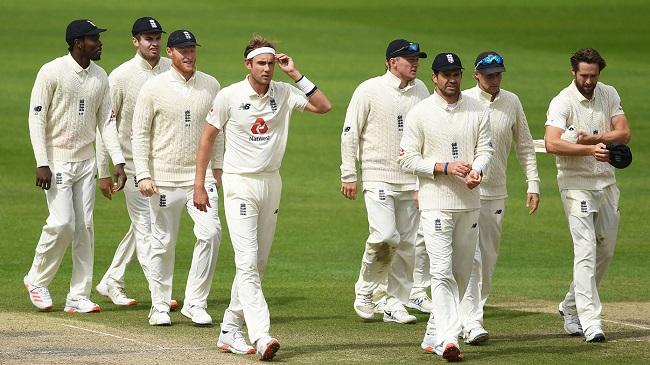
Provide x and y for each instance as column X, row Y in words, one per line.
column 320, row 235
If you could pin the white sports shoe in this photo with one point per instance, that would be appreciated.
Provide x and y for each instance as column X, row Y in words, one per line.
column 572, row 324
column 118, row 296
column 39, row 295
column 430, row 344
column 234, row 342
column 594, row 334
column 399, row 316
column 197, row 314
column 81, row 305
column 380, row 305
column 422, row 304
column 451, row 352
column 102, row 289
column 476, row 336
column 267, row 347
column 364, row 306
column 158, row 318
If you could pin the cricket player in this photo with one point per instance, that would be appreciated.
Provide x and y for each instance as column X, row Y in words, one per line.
column 167, row 123
column 125, row 84
column 446, row 143
column 372, row 130
column 70, row 101
column 581, row 120
column 254, row 115
column 508, row 126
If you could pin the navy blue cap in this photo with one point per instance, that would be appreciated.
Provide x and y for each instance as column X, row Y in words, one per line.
column 446, row 61
column 146, row 24
column 81, row 28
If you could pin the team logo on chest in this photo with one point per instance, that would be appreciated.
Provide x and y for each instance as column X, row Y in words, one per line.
column 274, row 105
column 260, row 126
column 454, row 150
column 82, row 107
column 400, row 123
column 188, row 118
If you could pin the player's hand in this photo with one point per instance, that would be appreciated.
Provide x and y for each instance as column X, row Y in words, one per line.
column 532, row 202
column 601, row 153
column 217, row 173
column 586, row 138
column 349, row 190
column 43, row 177
column 120, row 178
column 147, row 187
column 459, row 168
column 201, row 201
column 416, row 199
column 106, row 187
column 473, row 179
column 286, row 64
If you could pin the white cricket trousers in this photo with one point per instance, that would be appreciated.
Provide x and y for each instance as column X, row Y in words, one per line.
column 136, row 242
column 393, row 221
column 451, row 238
column 70, row 201
column 166, row 210
column 490, row 222
column 251, row 203
column 593, row 221
column 421, row 273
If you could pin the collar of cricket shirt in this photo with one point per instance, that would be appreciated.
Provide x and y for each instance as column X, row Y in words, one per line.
column 395, row 81
column 176, row 76
column 443, row 104
column 144, row 64
column 252, row 93
column 75, row 66
column 577, row 95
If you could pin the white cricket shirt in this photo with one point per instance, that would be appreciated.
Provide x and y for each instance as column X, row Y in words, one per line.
column 256, row 127
column 570, row 107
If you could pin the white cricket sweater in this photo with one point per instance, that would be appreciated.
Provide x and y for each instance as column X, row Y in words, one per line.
column 508, row 124
column 373, row 128
column 438, row 133
column 67, row 106
column 168, row 121
column 570, row 107
column 125, row 84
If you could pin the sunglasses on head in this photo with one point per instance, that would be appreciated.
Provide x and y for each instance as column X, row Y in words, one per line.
column 411, row 48
column 490, row 59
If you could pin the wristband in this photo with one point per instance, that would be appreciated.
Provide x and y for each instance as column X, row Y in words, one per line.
column 446, row 165
column 306, row 86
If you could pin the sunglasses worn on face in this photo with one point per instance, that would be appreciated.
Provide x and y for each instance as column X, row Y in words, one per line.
column 490, row 59
column 411, row 48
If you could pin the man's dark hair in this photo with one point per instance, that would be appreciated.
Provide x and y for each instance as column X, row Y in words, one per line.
column 587, row 55
column 257, row 41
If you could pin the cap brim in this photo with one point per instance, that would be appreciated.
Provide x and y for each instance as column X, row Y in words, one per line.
column 491, row 70
column 185, row 45
column 418, row 54
column 95, row 31
column 448, row 68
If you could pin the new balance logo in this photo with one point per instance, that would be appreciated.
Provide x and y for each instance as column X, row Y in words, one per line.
column 437, row 225
column 188, row 118
column 400, row 123
column 595, row 131
column 583, row 206
column 82, row 107
column 242, row 209
column 244, row 106
column 163, row 201
column 382, row 195
column 58, row 178
column 454, row 150
column 276, row 211
column 274, row 105
column 474, row 225
column 38, row 109
column 346, row 129
column 499, row 211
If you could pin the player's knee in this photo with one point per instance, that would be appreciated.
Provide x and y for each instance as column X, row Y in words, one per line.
column 64, row 227
column 388, row 237
column 209, row 233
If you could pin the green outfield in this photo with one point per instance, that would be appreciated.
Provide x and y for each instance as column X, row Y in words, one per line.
column 320, row 235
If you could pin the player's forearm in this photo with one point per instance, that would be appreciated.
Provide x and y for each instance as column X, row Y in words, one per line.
column 618, row 136
column 561, row 147
column 37, row 137
column 202, row 158
column 319, row 102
